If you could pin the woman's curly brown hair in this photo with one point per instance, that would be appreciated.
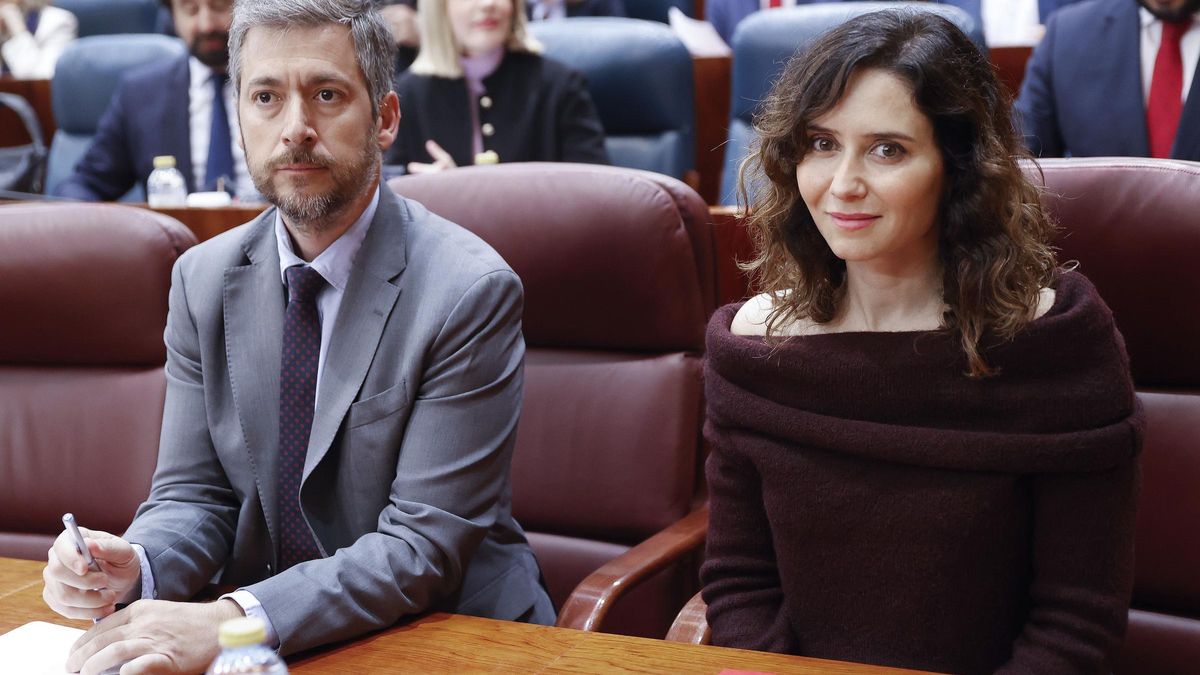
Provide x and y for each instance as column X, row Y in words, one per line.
column 994, row 242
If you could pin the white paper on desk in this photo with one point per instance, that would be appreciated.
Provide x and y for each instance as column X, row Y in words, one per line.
column 39, row 648
column 700, row 38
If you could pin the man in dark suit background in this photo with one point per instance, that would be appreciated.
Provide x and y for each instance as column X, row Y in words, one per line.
column 1115, row 77
column 167, row 109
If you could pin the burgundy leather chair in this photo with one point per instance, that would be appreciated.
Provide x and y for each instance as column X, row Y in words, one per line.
column 1134, row 227
column 618, row 272
column 83, row 296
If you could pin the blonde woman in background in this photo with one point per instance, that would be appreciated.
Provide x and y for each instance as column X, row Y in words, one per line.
column 32, row 37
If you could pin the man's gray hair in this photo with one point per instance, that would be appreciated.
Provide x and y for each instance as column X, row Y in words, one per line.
column 374, row 46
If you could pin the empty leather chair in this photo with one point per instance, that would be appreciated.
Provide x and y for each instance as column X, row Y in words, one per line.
column 765, row 41
column 84, row 83
column 84, row 300
column 640, row 77
column 108, row 17
column 617, row 267
column 1132, row 226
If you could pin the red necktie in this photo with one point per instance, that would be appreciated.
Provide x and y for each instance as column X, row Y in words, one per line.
column 1166, row 89
column 772, row 4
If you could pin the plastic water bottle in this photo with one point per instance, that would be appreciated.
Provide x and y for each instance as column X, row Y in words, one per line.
column 243, row 651
column 165, row 187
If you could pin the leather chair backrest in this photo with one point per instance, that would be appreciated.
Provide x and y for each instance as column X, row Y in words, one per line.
column 1132, row 225
column 84, row 296
column 765, row 41
column 618, row 272
column 108, row 17
column 640, row 77
column 85, row 80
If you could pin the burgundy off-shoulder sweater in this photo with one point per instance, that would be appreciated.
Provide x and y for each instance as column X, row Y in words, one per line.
column 871, row 503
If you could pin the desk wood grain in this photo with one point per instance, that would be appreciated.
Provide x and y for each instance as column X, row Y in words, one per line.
column 448, row 643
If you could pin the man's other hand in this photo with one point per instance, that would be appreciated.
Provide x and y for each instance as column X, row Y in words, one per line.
column 79, row 593
column 154, row 636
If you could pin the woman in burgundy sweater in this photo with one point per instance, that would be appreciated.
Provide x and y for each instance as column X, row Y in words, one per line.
column 924, row 432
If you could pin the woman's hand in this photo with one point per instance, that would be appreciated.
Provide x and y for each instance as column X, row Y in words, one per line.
column 441, row 160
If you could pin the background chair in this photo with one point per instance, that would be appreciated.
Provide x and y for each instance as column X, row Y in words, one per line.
column 84, row 82
column 107, row 17
column 1131, row 225
column 762, row 45
column 84, row 298
column 617, row 267
column 640, row 77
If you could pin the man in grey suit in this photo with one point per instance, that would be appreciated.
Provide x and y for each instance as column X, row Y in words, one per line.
column 344, row 380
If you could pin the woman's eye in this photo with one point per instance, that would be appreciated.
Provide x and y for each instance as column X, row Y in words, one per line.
column 822, row 144
column 888, row 150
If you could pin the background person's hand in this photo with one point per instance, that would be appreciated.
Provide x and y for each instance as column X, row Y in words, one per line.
column 441, row 160
column 154, row 636
column 76, row 592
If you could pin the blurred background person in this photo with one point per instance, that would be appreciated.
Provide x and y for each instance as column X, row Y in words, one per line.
column 1115, row 78
column 480, row 91
column 33, row 35
column 186, row 108
column 924, row 432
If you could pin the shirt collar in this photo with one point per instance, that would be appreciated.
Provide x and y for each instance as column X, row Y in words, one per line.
column 335, row 262
column 1149, row 19
column 199, row 74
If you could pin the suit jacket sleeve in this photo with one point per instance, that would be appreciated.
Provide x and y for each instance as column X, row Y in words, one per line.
column 740, row 574
column 580, row 132
column 1035, row 113
column 107, row 170
column 451, row 476
column 1082, row 571
column 187, row 523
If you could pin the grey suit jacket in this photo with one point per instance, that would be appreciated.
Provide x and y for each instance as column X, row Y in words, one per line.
column 406, row 481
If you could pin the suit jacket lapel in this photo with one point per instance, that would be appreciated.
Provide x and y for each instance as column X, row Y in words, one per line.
column 253, row 311
column 1122, row 62
column 1187, row 136
column 371, row 293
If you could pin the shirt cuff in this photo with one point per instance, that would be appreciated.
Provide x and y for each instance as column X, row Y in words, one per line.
column 149, row 592
column 252, row 607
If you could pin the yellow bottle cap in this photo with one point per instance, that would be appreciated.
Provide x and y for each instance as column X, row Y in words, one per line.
column 487, row 157
column 164, row 162
column 242, row 632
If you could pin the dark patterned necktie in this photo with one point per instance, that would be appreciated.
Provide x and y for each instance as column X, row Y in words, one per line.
column 220, row 145
column 297, row 396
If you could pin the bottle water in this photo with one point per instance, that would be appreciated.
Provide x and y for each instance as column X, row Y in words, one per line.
column 243, row 651
column 165, row 187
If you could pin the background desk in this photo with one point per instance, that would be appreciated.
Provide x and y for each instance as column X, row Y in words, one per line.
column 448, row 643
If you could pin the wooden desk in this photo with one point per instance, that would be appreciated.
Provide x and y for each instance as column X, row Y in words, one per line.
column 207, row 223
column 37, row 93
column 712, row 81
column 447, row 643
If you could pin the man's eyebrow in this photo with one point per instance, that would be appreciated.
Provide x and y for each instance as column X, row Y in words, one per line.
column 264, row 81
column 312, row 81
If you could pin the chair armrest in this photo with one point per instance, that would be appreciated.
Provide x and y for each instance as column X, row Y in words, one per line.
column 691, row 625
column 588, row 604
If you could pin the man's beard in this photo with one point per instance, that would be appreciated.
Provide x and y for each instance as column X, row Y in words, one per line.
column 313, row 212
column 1188, row 8
column 217, row 59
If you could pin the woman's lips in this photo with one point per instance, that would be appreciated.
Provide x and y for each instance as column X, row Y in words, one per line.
column 853, row 221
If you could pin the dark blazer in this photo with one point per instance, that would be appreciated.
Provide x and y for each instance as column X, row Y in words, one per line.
column 540, row 110
column 1047, row 7
column 1082, row 94
column 725, row 15
column 587, row 8
column 148, row 116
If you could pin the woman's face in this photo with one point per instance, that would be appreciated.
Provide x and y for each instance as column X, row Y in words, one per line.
column 872, row 176
column 479, row 26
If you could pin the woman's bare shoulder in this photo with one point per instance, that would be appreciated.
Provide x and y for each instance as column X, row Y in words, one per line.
column 751, row 319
